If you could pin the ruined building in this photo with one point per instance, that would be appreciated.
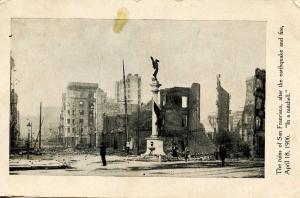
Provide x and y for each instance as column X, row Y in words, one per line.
column 259, row 130
column 253, row 120
column 181, row 119
column 223, row 101
column 78, row 114
column 14, row 127
column 133, row 89
column 84, row 108
column 248, row 113
column 14, row 119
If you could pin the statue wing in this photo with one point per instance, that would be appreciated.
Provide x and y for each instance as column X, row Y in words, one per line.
column 152, row 59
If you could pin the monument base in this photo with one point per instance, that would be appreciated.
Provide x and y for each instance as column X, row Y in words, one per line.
column 155, row 147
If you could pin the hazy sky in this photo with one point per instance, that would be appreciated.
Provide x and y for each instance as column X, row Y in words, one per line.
column 49, row 53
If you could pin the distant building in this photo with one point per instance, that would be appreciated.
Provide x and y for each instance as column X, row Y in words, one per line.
column 50, row 124
column 212, row 119
column 235, row 121
column 78, row 114
column 106, row 107
column 51, row 121
column 210, row 125
column 223, row 101
column 133, row 89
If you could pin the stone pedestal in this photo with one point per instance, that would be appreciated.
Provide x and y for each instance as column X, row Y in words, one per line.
column 154, row 143
column 157, row 146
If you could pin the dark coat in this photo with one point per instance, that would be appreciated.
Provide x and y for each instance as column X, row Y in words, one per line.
column 222, row 152
column 102, row 149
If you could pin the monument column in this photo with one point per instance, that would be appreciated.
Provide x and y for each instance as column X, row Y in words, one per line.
column 154, row 142
column 155, row 90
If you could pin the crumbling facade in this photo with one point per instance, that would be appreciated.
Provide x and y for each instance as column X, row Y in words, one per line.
column 107, row 107
column 253, row 120
column 223, row 102
column 14, row 128
column 181, row 119
column 260, row 97
column 248, row 113
column 14, row 119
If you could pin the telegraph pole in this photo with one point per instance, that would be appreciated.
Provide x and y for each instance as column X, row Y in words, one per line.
column 40, row 127
column 138, row 129
column 125, row 103
column 31, row 134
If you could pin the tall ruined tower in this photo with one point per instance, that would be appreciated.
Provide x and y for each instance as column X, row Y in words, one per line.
column 194, row 101
column 223, row 101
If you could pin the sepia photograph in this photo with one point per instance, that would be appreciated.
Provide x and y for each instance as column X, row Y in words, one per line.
column 137, row 98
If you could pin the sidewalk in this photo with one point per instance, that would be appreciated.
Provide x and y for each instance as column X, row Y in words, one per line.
column 128, row 166
column 25, row 164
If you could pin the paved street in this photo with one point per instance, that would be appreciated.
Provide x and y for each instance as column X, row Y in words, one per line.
column 123, row 166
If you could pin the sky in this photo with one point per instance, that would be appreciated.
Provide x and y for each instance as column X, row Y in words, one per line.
column 49, row 53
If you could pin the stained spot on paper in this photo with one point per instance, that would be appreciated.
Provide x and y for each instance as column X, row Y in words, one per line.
column 121, row 20
column 297, row 3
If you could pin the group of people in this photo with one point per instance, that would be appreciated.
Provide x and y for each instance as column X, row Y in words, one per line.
column 175, row 152
column 219, row 152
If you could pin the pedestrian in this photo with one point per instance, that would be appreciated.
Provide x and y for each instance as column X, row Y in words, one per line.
column 103, row 153
column 216, row 153
column 222, row 153
column 186, row 153
column 174, row 151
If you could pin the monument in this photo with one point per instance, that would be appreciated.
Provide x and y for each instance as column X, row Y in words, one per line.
column 154, row 142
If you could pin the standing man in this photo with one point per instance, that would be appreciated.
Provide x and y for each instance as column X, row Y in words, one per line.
column 174, row 151
column 222, row 153
column 103, row 153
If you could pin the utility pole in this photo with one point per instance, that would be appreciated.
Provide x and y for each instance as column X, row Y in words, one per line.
column 40, row 127
column 28, row 140
column 31, row 134
column 125, row 103
column 80, row 141
column 57, row 135
column 28, row 145
column 138, row 129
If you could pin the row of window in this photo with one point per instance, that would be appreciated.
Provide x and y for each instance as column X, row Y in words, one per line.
column 73, row 121
column 81, row 112
column 81, row 103
column 73, row 130
column 80, row 121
